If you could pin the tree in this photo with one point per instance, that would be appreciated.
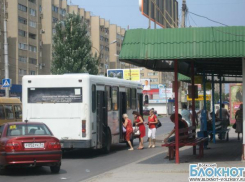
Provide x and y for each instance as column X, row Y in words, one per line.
column 72, row 48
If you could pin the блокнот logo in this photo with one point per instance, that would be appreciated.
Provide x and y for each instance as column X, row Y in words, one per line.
column 211, row 172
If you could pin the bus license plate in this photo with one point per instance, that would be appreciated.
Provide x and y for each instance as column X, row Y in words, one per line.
column 34, row 145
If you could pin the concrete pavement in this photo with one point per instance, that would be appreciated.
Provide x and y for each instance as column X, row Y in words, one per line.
column 156, row 168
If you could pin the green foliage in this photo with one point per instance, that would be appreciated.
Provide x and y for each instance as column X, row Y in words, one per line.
column 72, row 48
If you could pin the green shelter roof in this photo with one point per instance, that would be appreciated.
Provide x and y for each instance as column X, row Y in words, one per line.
column 213, row 49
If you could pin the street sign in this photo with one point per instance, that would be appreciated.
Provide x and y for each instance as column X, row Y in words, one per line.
column 200, row 98
column 6, row 83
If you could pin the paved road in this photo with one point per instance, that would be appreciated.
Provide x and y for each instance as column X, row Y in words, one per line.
column 80, row 165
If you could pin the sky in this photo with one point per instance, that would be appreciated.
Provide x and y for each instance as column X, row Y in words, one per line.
column 126, row 12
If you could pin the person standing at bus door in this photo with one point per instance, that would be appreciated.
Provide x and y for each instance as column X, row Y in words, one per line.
column 129, row 130
column 239, row 121
column 138, row 120
column 152, row 121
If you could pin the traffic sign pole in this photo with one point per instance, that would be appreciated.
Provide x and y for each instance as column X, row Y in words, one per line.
column 6, row 50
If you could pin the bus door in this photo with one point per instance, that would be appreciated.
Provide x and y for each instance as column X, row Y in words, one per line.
column 122, row 110
column 140, row 104
column 101, row 118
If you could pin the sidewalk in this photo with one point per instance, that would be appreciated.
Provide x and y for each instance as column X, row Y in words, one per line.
column 156, row 168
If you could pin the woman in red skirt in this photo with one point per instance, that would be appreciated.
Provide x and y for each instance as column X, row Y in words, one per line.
column 129, row 130
column 138, row 120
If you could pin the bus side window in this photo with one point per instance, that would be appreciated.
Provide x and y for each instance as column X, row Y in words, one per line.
column 108, row 91
column 1, row 130
column 93, row 98
column 17, row 112
column 115, row 98
column 133, row 93
column 129, row 98
column 9, row 111
column 2, row 115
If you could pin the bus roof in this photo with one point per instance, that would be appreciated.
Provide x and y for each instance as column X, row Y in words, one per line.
column 5, row 100
column 29, row 79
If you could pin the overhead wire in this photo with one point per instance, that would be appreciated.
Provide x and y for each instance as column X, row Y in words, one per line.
column 208, row 19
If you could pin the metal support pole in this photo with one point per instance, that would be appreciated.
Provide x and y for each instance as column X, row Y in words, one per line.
column 243, row 92
column 193, row 101
column 220, row 98
column 149, row 14
column 6, row 62
column 193, row 94
column 176, row 112
column 213, row 108
column 204, row 101
column 155, row 14
column 183, row 13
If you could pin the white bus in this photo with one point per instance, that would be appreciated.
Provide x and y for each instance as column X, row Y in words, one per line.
column 82, row 110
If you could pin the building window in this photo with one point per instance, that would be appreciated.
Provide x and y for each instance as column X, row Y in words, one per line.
column 22, row 20
column 23, row 46
column 32, row 1
column 22, row 59
column 22, row 72
column 54, row 31
column 22, row 7
column 32, row 61
column 55, row 20
column 55, row 9
column 22, row 33
column 142, row 74
column 154, row 80
column 153, row 74
column 32, row 48
column 40, row 8
column 33, row 24
column 32, row 12
column 32, row 73
column 32, row 36
column 62, row 12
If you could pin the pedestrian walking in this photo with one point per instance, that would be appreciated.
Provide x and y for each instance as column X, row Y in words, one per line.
column 129, row 130
column 152, row 121
column 138, row 120
column 239, row 121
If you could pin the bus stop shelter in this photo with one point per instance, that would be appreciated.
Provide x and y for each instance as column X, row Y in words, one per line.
column 215, row 52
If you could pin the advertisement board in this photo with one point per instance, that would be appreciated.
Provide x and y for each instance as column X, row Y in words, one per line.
column 132, row 74
column 126, row 74
column 235, row 100
column 165, row 93
column 166, row 12
column 146, row 83
column 117, row 73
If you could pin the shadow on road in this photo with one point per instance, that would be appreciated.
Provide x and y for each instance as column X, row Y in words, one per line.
column 90, row 154
column 36, row 171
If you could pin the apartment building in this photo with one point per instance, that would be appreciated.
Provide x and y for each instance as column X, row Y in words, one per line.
column 24, row 38
column 31, row 26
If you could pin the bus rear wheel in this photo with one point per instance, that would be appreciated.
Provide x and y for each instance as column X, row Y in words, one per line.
column 107, row 145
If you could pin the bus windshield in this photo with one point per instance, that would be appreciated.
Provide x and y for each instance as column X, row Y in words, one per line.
column 54, row 95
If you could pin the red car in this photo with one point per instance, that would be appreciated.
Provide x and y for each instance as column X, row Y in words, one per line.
column 29, row 144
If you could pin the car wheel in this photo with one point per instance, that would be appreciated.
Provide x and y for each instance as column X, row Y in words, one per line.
column 55, row 169
column 107, row 147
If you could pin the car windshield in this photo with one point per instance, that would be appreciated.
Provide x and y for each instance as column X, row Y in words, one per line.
column 27, row 129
